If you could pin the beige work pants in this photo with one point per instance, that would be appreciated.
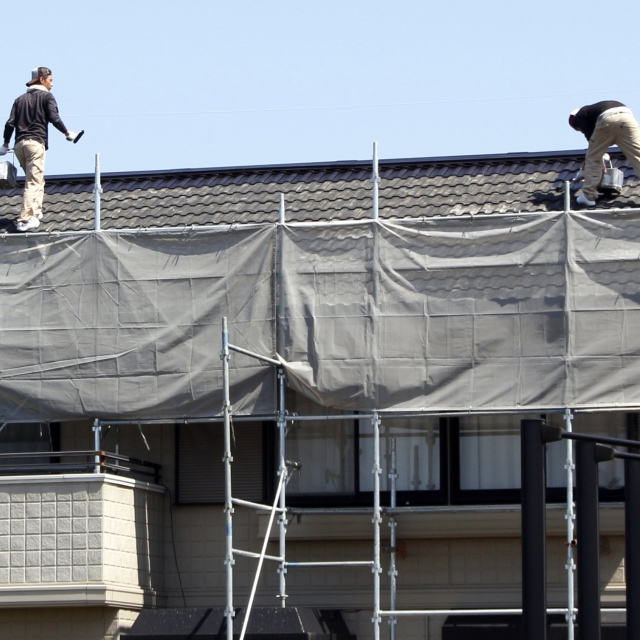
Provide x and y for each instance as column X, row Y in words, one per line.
column 30, row 154
column 618, row 128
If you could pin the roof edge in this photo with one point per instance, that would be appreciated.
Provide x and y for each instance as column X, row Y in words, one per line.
column 336, row 164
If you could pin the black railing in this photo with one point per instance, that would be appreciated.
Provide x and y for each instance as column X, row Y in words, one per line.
column 59, row 462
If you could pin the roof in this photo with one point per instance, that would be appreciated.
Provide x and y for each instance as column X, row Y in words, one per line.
column 409, row 188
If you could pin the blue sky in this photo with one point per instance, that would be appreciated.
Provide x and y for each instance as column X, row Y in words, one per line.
column 170, row 85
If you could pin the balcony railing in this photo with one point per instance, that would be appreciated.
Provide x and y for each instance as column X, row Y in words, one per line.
column 59, row 462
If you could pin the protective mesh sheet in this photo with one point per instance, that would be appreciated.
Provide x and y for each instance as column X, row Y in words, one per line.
column 505, row 313
column 604, row 324
column 537, row 312
column 129, row 325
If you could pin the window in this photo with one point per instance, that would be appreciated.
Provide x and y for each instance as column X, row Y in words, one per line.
column 420, row 460
column 485, row 455
column 200, row 467
column 489, row 451
column 472, row 459
column 326, row 454
column 336, row 458
column 325, row 449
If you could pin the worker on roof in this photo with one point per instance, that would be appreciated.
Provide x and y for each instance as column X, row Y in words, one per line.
column 30, row 117
column 604, row 124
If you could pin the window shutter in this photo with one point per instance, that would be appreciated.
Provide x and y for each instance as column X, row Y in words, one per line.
column 201, row 468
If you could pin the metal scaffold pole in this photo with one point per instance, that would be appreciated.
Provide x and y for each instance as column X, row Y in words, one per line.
column 227, row 459
column 571, row 519
column 377, row 519
column 283, row 472
column 97, row 190
column 393, row 573
column 375, row 179
column 280, row 277
column 97, row 444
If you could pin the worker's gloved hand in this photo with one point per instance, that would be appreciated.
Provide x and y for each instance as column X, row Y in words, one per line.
column 71, row 136
column 579, row 176
column 3, row 150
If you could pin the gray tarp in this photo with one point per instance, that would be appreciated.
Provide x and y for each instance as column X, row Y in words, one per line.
column 129, row 325
column 500, row 313
column 455, row 314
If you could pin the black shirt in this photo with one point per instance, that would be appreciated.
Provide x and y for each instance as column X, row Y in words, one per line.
column 30, row 116
column 585, row 120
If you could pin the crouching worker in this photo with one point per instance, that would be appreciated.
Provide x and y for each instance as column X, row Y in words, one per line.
column 604, row 124
column 30, row 117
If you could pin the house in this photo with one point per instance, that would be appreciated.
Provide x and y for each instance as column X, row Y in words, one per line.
column 113, row 479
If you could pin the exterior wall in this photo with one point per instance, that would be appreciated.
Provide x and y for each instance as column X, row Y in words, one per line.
column 463, row 570
column 455, row 557
column 79, row 538
column 86, row 623
column 132, row 539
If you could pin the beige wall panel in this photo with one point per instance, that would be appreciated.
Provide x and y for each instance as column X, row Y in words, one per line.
column 77, row 623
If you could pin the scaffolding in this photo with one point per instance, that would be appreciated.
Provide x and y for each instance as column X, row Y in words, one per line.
column 279, row 507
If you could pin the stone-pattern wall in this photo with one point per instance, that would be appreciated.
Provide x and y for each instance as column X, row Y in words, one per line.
column 81, row 529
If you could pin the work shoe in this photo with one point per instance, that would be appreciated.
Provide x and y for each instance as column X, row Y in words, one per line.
column 28, row 225
column 582, row 199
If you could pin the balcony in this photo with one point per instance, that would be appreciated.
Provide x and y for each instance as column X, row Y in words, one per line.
column 72, row 537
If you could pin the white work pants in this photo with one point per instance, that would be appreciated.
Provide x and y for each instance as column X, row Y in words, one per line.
column 30, row 154
column 618, row 128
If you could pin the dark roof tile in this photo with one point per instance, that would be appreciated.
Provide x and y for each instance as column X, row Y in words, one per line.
column 417, row 188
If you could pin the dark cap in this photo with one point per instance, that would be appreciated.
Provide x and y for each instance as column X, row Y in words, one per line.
column 36, row 74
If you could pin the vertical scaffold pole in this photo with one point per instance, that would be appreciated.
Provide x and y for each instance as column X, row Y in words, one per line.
column 571, row 519
column 377, row 519
column 280, row 277
column 375, row 178
column 282, row 471
column 97, row 190
column 97, row 444
column 567, row 196
column 227, row 459
column 393, row 573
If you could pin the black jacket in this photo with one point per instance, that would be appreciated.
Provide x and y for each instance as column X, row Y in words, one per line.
column 30, row 116
column 586, row 118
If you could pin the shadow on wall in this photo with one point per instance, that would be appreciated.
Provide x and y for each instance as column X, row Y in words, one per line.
column 149, row 544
